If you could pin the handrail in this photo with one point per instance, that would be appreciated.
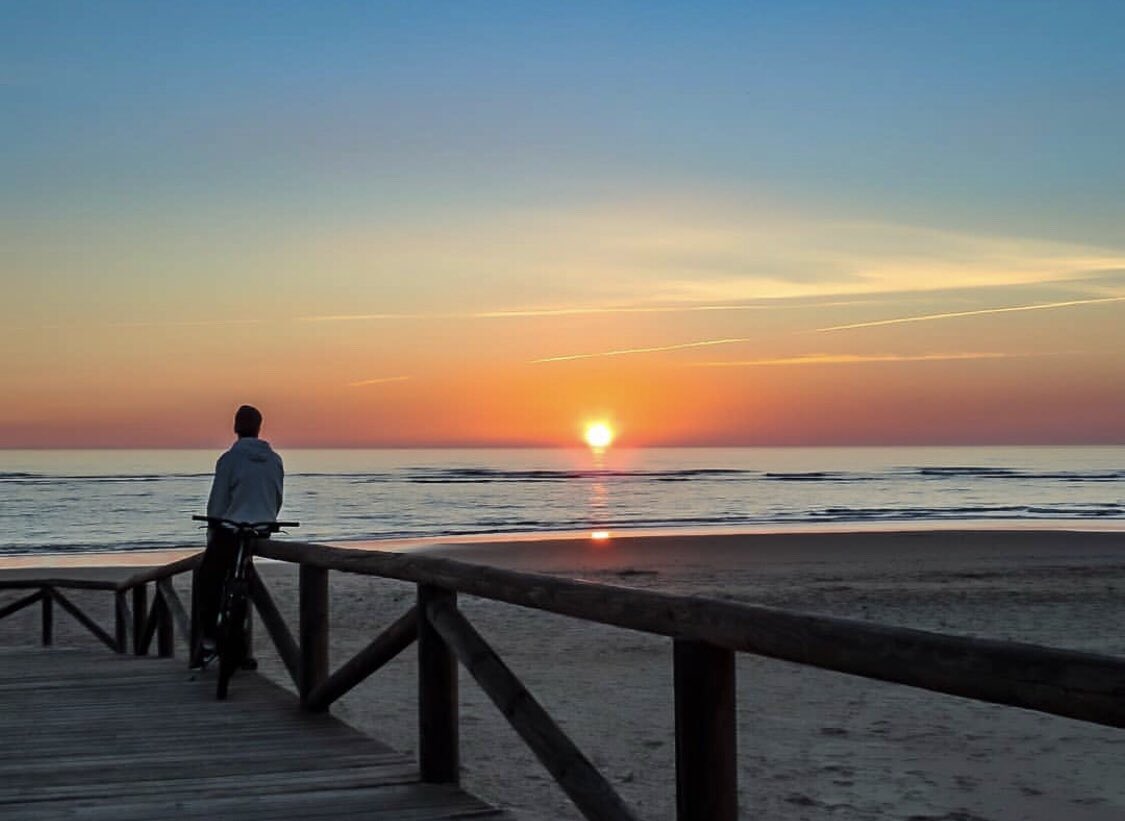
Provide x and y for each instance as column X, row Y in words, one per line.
column 154, row 574
column 75, row 584
column 166, row 607
column 1086, row 686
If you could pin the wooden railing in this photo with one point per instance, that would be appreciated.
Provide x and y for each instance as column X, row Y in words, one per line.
column 159, row 621
column 706, row 633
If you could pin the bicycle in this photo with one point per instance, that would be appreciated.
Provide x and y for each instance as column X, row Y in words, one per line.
column 230, row 627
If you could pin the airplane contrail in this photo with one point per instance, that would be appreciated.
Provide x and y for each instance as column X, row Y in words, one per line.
column 954, row 314
column 624, row 309
column 187, row 323
column 847, row 359
column 361, row 317
column 517, row 313
column 377, row 381
column 627, row 351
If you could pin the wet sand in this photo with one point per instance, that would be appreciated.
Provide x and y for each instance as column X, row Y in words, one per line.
column 812, row 744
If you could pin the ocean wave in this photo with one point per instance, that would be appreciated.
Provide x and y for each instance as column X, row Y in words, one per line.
column 972, row 512
column 487, row 475
column 41, row 478
column 1016, row 473
column 820, row 476
column 122, row 546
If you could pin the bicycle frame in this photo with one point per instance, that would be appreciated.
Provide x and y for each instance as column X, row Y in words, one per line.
column 231, row 641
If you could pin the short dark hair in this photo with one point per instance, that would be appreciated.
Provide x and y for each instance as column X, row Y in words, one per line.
column 247, row 421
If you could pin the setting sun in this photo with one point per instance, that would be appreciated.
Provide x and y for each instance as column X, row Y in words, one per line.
column 599, row 435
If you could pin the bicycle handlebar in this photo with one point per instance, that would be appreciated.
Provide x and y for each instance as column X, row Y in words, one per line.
column 272, row 527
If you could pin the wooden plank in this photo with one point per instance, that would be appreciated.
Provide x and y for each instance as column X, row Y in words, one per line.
column 83, row 619
column 1085, row 686
column 439, row 741
column 580, row 780
column 706, row 733
column 281, row 778
column 384, row 647
column 409, row 802
column 88, row 749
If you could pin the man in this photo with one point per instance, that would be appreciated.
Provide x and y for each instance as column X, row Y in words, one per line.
column 247, row 488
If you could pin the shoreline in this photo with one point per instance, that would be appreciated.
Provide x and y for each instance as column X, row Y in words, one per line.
column 149, row 557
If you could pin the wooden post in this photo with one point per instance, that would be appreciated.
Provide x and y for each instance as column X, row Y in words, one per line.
column 165, row 630
column 706, row 732
column 151, row 623
column 121, row 621
column 140, row 610
column 48, row 617
column 572, row 771
column 313, row 629
column 438, row 743
column 195, row 639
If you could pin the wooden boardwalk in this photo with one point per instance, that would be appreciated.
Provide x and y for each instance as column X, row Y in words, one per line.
column 93, row 735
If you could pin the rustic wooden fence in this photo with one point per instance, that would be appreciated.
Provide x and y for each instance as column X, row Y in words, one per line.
column 705, row 633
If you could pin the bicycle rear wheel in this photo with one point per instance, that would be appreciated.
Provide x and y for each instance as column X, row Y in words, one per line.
column 231, row 633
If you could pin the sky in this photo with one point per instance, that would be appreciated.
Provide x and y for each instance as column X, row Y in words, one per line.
column 488, row 224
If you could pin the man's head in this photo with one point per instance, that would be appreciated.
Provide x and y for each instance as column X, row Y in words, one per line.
column 247, row 421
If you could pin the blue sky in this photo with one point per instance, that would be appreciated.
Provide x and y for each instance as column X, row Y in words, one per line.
column 949, row 111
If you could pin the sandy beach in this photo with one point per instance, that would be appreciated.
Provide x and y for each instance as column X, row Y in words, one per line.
column 812, row 744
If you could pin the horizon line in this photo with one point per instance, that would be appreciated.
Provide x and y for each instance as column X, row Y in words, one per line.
column 582, row 447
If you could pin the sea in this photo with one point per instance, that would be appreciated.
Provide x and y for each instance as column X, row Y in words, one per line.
column 72, row 501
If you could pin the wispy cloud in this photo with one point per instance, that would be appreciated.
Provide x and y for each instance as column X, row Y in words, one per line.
column 653, row 309
column 705, row 343
column 763, row 304
column 979, row 312
column 379, row 380
column 367, row 317
column 520, row 313
column 768, row 303
column 200, row 323
column 855, row 359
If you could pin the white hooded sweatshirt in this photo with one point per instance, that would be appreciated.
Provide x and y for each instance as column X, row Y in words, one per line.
column 248, row 483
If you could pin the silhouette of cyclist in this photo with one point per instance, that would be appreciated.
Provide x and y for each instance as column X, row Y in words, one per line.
column 247, row 488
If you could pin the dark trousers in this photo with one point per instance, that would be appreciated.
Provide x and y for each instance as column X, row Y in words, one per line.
column 218, row 559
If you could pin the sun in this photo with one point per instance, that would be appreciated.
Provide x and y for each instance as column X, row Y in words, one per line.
column 599, row 435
